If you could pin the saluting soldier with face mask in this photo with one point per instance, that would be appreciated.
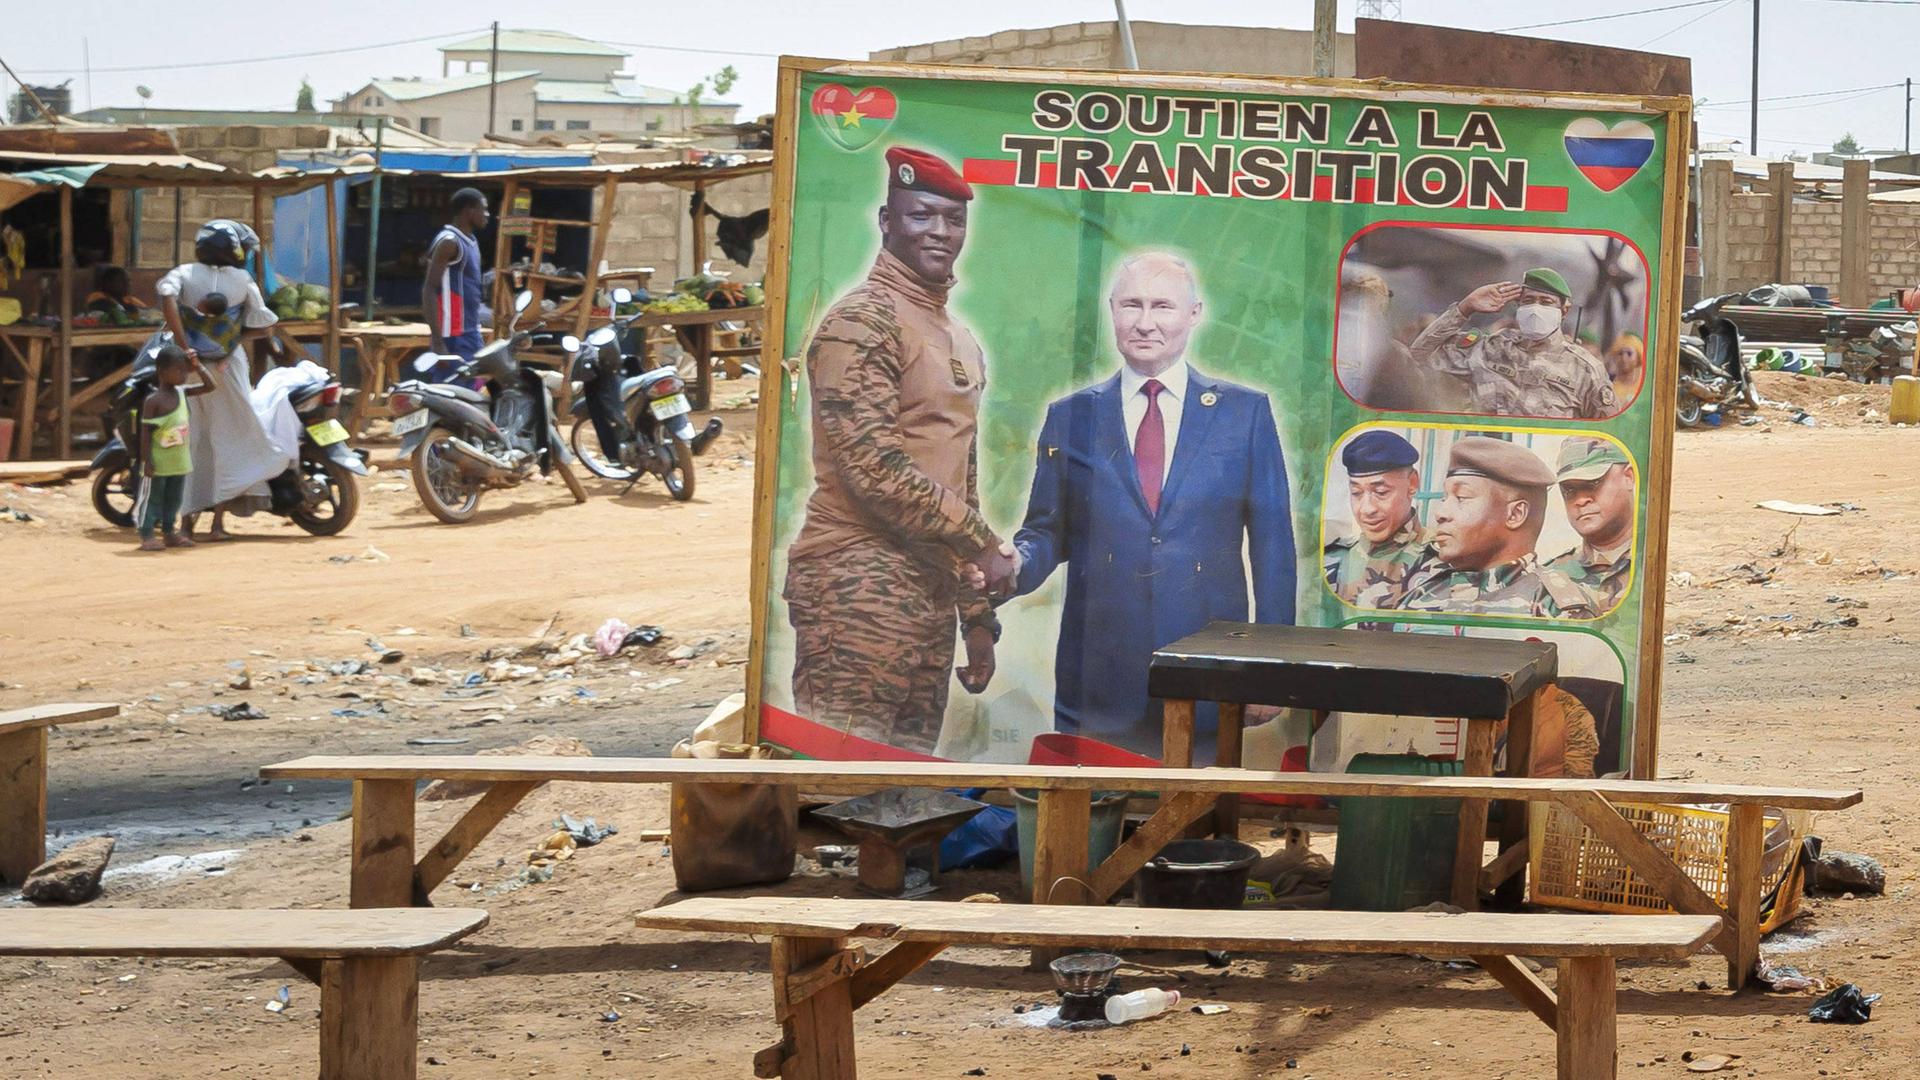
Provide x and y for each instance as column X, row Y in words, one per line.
column 1530, row 369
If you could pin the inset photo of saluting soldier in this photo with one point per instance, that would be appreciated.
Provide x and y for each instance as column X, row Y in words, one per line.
column 1509, row 346
column 1491, row 528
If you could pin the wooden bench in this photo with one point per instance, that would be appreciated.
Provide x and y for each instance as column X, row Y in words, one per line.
column 385, row 873
column 23, row 781
column 818, row 982
column 1480, row 681
column 366, row 963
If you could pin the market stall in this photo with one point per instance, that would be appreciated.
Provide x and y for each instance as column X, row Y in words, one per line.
column 690, row 317
column 47, row 330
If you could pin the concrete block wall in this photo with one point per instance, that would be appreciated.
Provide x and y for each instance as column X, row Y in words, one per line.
column 1074, row 45
column 1815, row 237
column 245, row 147
column 1750, row 240
column 1895, row 231
column 652, row 223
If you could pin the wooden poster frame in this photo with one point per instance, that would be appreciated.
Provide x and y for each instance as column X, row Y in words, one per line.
column 776, row 391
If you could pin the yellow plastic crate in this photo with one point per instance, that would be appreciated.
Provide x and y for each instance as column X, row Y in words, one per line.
column 1568, row 867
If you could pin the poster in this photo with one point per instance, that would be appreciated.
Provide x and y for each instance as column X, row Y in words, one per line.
column 1075, row 363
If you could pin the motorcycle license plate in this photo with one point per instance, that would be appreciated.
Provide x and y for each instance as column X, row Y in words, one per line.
column 670, row 406
column 411, row 422
column 326, row 432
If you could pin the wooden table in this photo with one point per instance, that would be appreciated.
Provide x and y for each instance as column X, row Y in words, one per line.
column 1482, row 681
column 384, row 872
column 382, row 349
column 695, row 329
column 818, row 981
column 366, row 964
column 23, row 781
column 29, row 344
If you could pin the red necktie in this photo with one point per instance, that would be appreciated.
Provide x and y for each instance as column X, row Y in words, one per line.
column 1150, row 447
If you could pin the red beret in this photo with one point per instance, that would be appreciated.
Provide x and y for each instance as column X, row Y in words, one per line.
column 917, row 170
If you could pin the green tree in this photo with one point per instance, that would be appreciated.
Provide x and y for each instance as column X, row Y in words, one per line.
column 1847, row 144
column 724, row 79
column 303, row 101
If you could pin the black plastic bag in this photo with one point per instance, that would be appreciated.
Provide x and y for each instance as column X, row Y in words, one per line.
column 1844, row 1004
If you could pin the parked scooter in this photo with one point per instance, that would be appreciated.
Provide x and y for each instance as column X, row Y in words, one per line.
column 631, row 420
column 320, row 495
column 1713, row 374
column 464, row 441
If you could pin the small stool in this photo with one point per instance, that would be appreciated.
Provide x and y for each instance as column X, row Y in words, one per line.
column 1479, row 680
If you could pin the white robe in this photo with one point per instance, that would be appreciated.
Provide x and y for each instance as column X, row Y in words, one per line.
column 276, row 413
column 233, row 457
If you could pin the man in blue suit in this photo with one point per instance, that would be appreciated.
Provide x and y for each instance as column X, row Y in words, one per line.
column 1149, row 487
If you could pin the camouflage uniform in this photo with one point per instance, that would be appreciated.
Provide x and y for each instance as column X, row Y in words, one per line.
column 1369, row 575
column 1602, row 574
column 873, row 579
column 1508, row 377
column 1521, row 587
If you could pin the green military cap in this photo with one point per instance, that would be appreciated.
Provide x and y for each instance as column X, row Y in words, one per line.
column 1547, row 281
column 1585, row 458
column 1500, row 460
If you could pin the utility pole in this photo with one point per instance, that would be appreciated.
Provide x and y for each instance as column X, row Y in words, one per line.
column 1909, row 116
column 492, row 79
column 1753, row 107
column 1128, row 56
column 1324, row 14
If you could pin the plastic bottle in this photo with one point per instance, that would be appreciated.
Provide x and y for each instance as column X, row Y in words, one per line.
column 1124, row 1008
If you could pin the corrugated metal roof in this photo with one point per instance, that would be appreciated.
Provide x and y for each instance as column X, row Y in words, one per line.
column 535, row 41
column 415, row 89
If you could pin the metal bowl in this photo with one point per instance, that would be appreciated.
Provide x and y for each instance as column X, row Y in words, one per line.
column 1084, row 973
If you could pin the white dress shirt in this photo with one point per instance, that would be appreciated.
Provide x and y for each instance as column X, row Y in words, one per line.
column 1133, row 406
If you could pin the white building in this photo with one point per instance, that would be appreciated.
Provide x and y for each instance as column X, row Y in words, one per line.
column 549, row 81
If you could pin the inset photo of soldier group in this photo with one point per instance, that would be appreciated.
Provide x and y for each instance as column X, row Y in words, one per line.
column 1427, row 518
column 1492, row 322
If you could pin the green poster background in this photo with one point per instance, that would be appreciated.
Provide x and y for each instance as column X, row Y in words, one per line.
column 1031, row 284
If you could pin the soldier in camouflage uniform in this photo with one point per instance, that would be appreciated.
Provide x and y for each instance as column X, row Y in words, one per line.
column 1484, row 532
column 1530, row 369
column 1370, row 567
column 879, row 576
column 1596, row 484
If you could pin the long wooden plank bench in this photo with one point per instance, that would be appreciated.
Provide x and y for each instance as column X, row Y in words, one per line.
column 818, row 982
column 23, row 781
column 385, row 873
column 366, row 963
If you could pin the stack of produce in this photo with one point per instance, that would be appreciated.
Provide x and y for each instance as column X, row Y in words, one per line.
column 303, row 303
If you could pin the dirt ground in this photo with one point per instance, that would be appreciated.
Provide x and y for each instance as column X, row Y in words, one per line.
column 1789, row 661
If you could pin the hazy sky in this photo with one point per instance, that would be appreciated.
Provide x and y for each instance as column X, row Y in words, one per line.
column 1808, row 46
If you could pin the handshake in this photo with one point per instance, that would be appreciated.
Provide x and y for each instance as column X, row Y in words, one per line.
column 994, row 570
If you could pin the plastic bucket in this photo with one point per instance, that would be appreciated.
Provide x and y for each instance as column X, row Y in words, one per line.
column 1208, row 874
column 1103, row 831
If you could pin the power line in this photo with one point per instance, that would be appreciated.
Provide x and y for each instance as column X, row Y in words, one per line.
column 1813, row 94
column 1602, row 18
column 693, row 49
column 257, row 59
column 1684, row 25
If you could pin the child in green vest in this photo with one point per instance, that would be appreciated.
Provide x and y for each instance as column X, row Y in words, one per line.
column 164, row 447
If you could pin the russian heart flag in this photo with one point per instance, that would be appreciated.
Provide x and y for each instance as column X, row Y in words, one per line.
column 1608, row 157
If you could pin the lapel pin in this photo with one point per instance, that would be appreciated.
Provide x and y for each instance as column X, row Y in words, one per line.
column 1209, row 398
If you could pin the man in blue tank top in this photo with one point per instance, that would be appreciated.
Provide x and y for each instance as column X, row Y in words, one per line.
column 452, row 297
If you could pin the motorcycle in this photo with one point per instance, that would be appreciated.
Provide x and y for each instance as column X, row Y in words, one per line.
column 319, row 495
column 1713, row 373
column 631, row 420
column 464, row 442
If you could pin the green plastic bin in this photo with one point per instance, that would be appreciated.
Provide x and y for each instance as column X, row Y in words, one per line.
column 1395, row 853
column 1104, row 822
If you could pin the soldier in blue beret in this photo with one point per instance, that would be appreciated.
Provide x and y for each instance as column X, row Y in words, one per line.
column 1370, row 567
